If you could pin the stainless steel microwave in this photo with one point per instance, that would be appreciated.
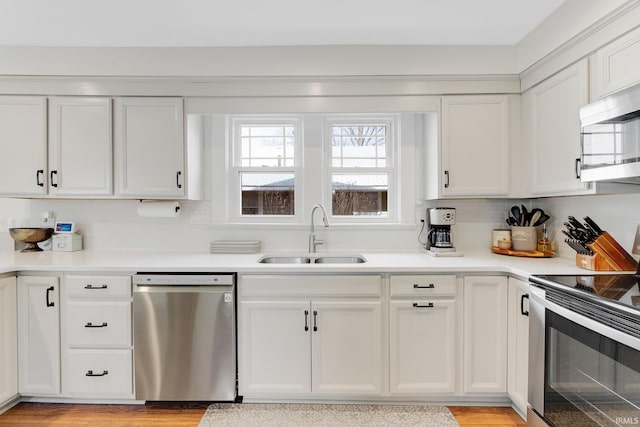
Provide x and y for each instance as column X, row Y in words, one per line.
column 610, row 138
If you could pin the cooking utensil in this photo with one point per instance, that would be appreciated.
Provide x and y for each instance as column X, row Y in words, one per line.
column 525, row 216
column 515, row 212
column 535, row 216
column 543, row 218
column 512, row 221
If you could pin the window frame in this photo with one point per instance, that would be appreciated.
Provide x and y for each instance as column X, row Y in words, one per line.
column 236, row 169
column 392, row 144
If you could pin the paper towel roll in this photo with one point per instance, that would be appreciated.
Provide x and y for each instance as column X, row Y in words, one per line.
column 158, row 209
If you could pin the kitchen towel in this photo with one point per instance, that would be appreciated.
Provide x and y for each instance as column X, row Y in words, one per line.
column 158, row 209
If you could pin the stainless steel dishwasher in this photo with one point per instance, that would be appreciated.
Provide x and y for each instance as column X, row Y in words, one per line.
column 184, row 336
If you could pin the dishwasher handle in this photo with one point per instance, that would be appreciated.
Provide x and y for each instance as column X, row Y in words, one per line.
column 182, row 289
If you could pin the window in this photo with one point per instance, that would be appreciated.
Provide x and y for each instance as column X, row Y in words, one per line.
column 265, row 162
column 280, row 165
column 361, row 166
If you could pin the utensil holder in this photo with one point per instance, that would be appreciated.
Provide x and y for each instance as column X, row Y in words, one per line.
column 524, row 238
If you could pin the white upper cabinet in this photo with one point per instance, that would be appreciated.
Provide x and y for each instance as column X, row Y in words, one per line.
column 149, row 147
column 552, row 132
column 23, row 145
column 615, row 66
column 80, row 146
column 474, row 148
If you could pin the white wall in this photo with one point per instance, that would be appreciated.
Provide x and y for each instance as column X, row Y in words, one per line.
column 13, row 213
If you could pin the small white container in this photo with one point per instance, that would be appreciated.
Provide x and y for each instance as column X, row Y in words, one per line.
column 67, row 242
column 500, row 235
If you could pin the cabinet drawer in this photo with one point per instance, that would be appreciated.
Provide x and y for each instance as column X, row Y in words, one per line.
column 97, row 286
column 422, row 285
column 98, row 373
column 97, row 324
column 365, row 286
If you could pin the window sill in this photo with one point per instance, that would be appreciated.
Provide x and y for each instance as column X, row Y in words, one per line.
column 318, row 226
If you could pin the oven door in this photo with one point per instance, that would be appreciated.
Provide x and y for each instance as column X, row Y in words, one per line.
column 581, row 372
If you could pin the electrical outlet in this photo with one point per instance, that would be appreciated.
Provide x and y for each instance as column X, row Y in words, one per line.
column 47, row 219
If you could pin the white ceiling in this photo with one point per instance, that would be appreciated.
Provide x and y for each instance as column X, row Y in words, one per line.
column 269, row 23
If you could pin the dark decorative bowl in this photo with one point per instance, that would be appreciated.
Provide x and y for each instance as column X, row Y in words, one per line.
column 31, row 236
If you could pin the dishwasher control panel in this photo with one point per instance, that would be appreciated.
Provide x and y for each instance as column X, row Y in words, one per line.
column 173, row 279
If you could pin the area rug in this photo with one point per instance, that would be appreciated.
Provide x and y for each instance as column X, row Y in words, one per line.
column 316, row 415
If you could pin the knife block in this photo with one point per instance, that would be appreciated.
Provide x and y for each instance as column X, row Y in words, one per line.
column 608, row 255
column 593, row 262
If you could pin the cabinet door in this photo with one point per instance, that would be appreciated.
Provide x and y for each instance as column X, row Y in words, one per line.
column 518, row 338
column 615, row 66
column 552, row 116
column 23, row 143
column 80, row 146
column 347, row 347
column 422, row 346
column 8, row 340
column 485, row 334
column 274, row 348
column 149, row 147
column 475, row 146
column 38, row 335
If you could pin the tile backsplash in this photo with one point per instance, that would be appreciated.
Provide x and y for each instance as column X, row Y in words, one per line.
column 114, row 224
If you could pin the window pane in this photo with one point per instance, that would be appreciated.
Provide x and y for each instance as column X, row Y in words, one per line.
column 364, row 194
column 267, row 145
column 359, row 145
column 267, row 193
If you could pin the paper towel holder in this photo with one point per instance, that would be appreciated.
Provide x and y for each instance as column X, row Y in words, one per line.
column 158, row 208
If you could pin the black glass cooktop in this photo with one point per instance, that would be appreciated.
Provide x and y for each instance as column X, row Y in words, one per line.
column 616, row 288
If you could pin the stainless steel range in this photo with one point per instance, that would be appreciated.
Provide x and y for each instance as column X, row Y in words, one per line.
column 584, row 350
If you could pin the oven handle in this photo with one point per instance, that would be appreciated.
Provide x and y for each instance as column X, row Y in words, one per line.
column 538, row 297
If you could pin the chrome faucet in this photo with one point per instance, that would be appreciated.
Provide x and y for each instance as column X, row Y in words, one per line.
column 313, row 242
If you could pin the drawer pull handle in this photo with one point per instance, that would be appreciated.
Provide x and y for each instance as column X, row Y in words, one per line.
column 96, row 287
column 91, row 374
column 416, row 305
column 429, row 286
column 49, row 302
column 91, row 325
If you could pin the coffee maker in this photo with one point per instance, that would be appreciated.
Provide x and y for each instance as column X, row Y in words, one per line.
column 439, row 240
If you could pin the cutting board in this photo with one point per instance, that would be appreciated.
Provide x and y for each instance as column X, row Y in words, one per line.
column 528, row 254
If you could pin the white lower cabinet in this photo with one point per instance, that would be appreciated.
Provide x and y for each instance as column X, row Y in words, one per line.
column 422, row 334
column 310, row 336
column 485, row 335
column 38, row 335
column 97, row 356
column 518, row 351
column 8, row 340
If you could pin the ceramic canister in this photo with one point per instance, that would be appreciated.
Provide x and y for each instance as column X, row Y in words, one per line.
column 500, row 234
column 524, row 238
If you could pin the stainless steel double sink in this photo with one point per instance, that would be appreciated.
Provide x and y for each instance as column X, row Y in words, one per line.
column 312, row 259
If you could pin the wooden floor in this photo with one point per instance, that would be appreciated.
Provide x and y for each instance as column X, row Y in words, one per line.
column 189, row 414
